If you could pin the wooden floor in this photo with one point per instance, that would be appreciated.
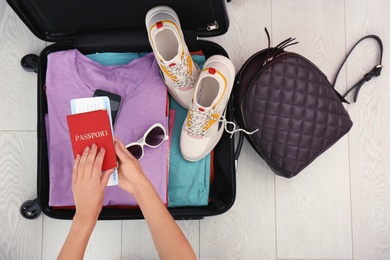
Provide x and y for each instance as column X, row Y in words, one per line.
column 338, row 208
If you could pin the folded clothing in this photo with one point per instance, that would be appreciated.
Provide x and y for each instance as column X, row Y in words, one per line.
column 189, row 182
column 70, row 75
column 115, row 58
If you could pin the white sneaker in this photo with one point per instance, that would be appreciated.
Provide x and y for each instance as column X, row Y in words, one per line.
column 204, row 124
column 178, row 70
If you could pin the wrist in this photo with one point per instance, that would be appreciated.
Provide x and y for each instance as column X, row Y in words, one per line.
column 85, row 219
column 142, row 187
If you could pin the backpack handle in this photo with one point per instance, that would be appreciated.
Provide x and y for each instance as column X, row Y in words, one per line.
column 374, row 72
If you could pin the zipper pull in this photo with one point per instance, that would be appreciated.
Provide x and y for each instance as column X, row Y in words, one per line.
column 212, row 26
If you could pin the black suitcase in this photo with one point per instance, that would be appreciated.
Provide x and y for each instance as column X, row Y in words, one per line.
column 106, row 26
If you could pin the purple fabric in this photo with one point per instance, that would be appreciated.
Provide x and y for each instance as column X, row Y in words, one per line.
column 72, row 75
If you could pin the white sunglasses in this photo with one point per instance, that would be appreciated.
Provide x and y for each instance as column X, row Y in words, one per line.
column 153, row 137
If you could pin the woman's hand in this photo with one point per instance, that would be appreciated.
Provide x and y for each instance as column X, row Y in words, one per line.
column 129, row 171
column 88, row 183
column 169, row 240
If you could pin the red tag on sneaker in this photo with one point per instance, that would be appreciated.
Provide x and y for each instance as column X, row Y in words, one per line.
column 201, row 109
column 172, row 64
column 211, row 70
column 159, row 25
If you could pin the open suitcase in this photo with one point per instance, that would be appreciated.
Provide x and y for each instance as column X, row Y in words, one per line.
column 106, row 26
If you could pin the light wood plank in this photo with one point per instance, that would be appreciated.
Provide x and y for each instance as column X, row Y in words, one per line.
column 313, row 210
column 318, row 26
column 369, row 138
column 20, row 238
column 137, row 243
column 313, row 218
column 17, row 87
column 105, row 242
column 246, row 35
column 247, row 230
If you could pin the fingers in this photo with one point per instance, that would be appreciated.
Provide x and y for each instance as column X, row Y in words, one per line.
column 106, row 175
column 121, row 150
column 90, row 162
column 98, row 162
column 75, row 167
column 83, row 159
column 118, row 144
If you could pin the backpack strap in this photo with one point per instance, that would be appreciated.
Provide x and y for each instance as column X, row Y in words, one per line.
column 273, row 52
column 374, row 72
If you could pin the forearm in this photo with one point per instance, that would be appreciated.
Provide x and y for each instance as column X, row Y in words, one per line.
column 77, row 239
column 168, row 238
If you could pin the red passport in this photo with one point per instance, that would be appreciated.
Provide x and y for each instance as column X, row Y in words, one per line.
column 92, row 127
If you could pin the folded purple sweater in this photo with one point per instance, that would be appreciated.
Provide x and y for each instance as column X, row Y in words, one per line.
column 70, row 75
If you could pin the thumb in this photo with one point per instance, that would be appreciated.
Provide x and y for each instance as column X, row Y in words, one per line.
column 105, row 176
column 121, row 151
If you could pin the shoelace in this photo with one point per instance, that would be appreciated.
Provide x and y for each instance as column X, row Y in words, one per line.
column 181, row 72
column 232, row 132
column 199, row 119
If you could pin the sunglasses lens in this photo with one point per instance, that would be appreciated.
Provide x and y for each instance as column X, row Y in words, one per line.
column 135, row 150
column 155, row 136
